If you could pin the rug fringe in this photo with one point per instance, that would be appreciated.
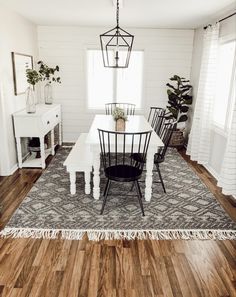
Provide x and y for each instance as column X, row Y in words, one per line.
column 96, row 235
column 72, row 234
column 29, row 233
column 161, row 235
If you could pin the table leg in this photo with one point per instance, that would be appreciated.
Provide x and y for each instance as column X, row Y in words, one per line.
column 60, row 134
column 72, row 182
column 42, row 151
column 96, row 177
column 87, row 181
column 149, row 173
column 52, row 142
column 19, row 152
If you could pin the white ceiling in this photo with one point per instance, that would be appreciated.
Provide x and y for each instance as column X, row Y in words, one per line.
column 135, row 13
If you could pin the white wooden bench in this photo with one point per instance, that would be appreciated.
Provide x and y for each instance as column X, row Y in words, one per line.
column 79, row 160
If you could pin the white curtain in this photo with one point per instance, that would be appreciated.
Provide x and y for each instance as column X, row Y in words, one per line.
column 227, row 179
column 200, row 135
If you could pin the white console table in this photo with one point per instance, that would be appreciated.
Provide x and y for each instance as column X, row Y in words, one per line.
column 37, row 124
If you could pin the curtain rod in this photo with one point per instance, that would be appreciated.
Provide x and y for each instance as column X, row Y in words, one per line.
column 221, row 20
column 229, row 16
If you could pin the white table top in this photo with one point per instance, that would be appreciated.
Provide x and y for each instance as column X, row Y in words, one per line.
column 136, row 123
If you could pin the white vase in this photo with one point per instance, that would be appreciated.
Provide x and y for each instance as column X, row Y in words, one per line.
column 48, row 94
column 30, row 100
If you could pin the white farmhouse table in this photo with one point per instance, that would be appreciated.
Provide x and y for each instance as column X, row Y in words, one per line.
column 135, row 123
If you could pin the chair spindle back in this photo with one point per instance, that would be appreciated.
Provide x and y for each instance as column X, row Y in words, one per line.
column 117, row 147
column 128, row 108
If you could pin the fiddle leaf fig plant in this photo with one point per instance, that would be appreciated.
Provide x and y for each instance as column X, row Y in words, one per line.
column 179, row 98
column 48, row 73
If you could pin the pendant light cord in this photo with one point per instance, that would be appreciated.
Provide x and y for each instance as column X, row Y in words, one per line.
column 117, row 13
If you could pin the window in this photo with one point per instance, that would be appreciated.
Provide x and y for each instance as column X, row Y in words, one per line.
column 106, row 85
column 224, row 79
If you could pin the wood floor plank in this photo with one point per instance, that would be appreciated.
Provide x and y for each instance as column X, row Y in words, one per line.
column 77, row 273
column 154, row 272
column 29, row 282
column 41, row 252
column 195, row 291
column 143, row 259
column 180, row 276
column 67, row 276
column 172, row 277
column 83, row 285
column 94, row 271
column 165, row 281
column 27, row 267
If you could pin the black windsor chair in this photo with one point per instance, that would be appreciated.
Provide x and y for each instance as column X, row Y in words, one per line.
column 116, row 149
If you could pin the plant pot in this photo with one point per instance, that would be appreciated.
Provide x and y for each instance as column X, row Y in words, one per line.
column 30, row 100
column 120, row 125
column 177, row 139
column 48, row 99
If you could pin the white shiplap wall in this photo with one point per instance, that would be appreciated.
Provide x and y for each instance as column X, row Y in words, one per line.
column 166, row 52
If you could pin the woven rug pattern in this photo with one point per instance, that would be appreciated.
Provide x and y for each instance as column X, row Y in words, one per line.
column 188, row 210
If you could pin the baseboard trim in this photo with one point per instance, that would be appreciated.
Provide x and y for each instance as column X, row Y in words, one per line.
column 13, row 169
column 212, row 171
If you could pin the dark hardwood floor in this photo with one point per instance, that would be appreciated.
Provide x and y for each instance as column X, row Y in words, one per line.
column 61, row 268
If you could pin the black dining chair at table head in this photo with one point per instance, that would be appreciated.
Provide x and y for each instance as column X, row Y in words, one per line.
column 129, row 108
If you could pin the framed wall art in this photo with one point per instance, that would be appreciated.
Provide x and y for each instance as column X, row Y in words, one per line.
column 21, row 62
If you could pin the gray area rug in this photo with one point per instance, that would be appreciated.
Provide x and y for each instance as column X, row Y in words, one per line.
column 187, row 211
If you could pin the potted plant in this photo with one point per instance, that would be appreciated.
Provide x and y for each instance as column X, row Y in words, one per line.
column 120, row 117
column 33, row 78
column 179, row 99
column 48, row 74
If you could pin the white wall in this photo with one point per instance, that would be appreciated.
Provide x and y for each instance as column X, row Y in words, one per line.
column 16, row 35
column 166, row 52
column 218, row 138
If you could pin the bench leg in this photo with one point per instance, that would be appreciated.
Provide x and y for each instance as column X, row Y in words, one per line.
column 72, row 182
column 96, row 175
column 87, row 182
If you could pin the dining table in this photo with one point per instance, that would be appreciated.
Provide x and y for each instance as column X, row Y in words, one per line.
column 134, row 124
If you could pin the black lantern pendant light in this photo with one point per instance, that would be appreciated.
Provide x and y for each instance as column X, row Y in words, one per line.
column 116, row 45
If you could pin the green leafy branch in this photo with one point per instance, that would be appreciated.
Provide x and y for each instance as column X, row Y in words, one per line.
column 48, row 73
column 32, row 76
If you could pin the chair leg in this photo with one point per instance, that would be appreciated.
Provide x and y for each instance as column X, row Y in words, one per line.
column 139, row 196
column 106, row 187
column 159, row 173
column 105, row 198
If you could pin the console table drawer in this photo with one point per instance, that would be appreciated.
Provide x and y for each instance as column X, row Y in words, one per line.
column 51, row 119
column 39, row 123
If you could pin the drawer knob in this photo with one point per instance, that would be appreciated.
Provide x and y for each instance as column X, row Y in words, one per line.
column 57, row 116
column 48, row 122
